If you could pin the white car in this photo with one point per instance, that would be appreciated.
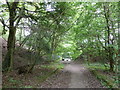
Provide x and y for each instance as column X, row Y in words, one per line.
column 66, row 60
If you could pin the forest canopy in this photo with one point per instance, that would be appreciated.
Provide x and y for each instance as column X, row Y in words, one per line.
column 54, row 30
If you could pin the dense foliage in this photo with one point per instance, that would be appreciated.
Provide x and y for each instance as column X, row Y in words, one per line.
column 53, row 30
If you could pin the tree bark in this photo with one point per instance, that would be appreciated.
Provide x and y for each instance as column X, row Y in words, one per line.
column 8, row 62
column 118, row 73
column 110, row 49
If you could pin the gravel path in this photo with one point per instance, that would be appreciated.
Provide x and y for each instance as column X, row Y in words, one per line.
column 81, row 77
column 72, row 76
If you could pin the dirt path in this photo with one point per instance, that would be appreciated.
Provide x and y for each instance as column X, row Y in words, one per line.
column 81, row 77
column 72, row 76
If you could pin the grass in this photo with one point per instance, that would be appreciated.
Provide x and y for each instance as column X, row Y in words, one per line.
column 106, row 80
column 28, row 87
column 97, row 66
column 54, row 65
column 13, row 82
column 46, row 75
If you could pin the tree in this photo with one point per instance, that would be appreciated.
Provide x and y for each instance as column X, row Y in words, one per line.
column 13, row 22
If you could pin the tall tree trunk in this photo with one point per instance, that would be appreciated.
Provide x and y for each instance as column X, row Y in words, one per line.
column 110, row 49
column 8, row 62
column 119, row 30
column 118, row 43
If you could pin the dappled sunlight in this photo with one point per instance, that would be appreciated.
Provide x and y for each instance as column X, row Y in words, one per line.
column 67, row 45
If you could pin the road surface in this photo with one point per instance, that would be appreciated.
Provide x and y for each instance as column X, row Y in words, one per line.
column 81, row 77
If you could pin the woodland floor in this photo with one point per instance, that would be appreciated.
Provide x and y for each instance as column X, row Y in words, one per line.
column 37, row 79
column 74, row 75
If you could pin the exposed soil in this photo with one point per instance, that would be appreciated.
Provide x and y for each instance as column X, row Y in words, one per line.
column 59, row 80
column 13, row 79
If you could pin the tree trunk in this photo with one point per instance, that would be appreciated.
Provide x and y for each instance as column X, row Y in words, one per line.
column 110, row 51
column 8, row 62
column 119, row 30
column 118, row 73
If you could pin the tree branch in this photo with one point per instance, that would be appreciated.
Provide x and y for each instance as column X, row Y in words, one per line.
column 8, row 4
column 3, row 22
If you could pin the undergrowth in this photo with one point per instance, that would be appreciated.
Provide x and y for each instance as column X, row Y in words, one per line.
column 106, row 80
column 46, row 70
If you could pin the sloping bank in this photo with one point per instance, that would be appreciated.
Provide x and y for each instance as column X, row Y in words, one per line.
column 106, row 78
